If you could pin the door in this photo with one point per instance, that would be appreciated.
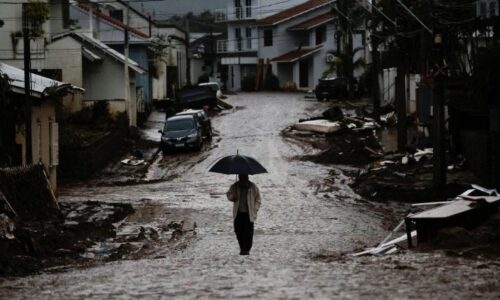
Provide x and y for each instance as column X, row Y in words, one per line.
column 172, row 82
column 304, row 73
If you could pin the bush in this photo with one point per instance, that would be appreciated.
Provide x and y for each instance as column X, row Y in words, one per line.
column 248, row 84
column 272, row 83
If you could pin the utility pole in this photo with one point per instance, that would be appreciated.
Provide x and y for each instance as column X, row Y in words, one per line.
column 401, row 101
column 27, row 86
column 188, row 60
column 129, row 105
column 438, row 132
column 91, row 18
column 375, row 41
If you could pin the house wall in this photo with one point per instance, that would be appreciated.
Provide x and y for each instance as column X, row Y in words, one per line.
column 138, row 21
column 176, row 56
column 104, row 81
column 284, row 72
column 139, row 54
column 42, row 117
column 11, row 14
column 159, row 88
column 285, row 41
column 264, row 8
column 197, row 69
column 65, row 54
column 56, row 21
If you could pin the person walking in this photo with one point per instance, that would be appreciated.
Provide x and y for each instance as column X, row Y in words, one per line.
column 246, row 200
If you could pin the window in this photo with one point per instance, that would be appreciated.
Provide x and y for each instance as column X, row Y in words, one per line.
column 320, row 35
column 493, row 9
column 116, row 14
column 238, row 9
column 249, row 37
column 237, row 34
column 248, row 9
column 268, row 37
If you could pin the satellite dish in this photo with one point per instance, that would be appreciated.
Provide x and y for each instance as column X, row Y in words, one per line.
column 330, row 58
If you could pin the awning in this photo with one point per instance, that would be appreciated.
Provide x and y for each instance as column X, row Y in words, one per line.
column 39, row 85
column 296, row 55
column 312, row 22
column 91, row 56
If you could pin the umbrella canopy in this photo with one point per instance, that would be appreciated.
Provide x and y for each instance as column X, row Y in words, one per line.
column 238, row 164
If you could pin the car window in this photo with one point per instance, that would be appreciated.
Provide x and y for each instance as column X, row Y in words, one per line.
column 176, row 125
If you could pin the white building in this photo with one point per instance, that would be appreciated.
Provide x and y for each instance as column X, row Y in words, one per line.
column 293, row 36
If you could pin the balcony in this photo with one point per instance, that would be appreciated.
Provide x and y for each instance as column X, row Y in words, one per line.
column 240, row 13
column 236, row 46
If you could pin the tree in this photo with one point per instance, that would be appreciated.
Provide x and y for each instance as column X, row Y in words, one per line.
column 351, row 17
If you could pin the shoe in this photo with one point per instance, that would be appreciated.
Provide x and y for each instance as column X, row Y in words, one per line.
column 245, row 253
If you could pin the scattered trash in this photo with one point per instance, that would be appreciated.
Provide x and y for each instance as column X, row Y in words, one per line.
column 464, row 211
column 6, row 227
column 426, row 153
column 320, row 126
column 390, row 119
column 133, row 162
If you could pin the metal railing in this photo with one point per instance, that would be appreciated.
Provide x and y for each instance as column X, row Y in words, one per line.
column 236, row 13
column 222, row 46
column 239, row 45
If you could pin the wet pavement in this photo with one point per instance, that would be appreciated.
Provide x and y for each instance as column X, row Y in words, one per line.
column 304, row 228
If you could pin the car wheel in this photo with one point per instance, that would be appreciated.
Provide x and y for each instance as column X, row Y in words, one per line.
column 198, row 147
column 210, row 132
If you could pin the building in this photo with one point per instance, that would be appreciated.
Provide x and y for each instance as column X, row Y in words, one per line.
column 111, row 32
column 202, row 55
column 45, row 93
column 293, row 37
column 100, row 69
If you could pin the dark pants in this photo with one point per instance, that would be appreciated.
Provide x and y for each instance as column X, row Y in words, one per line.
column 244, row 231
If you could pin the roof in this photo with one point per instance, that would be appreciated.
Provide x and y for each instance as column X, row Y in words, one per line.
column 292, row 12
column 313, row 22
column 297, row 54
column 93, row 44
column 113, row 21
column 39, row 84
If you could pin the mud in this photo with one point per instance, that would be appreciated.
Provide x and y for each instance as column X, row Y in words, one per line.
column 62, row 240
column 309, row 223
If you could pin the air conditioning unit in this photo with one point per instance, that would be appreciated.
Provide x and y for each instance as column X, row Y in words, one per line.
column 330, row 58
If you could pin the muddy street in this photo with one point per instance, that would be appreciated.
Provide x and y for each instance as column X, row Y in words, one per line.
column 303, row 232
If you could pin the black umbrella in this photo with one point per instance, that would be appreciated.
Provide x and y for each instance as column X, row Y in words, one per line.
column 238, row 164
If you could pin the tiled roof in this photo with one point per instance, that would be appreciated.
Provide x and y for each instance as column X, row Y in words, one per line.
column 313, row 22
column 113, row 21
column 297, row 54
column 292, row 12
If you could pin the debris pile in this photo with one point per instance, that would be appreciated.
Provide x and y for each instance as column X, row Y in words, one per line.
column 464, row 226
column 36, row 231
column 408, row 177
column 344, row 137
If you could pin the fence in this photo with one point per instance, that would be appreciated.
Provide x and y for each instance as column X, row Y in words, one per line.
column 25, row 193
column 84, row 161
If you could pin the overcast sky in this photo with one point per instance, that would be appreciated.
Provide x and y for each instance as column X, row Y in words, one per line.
column 166, row 8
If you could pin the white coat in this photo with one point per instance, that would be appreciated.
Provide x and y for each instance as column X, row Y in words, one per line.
column 253, row 198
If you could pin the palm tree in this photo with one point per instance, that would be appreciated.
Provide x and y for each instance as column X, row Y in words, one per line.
column 341, row 61
column 351, row 17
